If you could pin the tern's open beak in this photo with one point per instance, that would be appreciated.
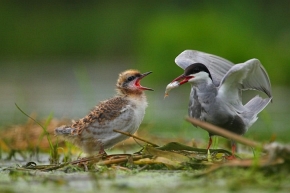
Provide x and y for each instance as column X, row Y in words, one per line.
column 137, row 83
column 175, row 83
column 182, row 79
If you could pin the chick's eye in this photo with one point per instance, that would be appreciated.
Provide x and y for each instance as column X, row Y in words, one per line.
column 131, row 78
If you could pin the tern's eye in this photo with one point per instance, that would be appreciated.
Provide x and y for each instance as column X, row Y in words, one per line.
column 130, row 78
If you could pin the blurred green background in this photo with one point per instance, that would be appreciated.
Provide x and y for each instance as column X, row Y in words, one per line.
column 64, row 56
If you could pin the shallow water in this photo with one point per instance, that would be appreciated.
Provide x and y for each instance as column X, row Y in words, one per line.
column 118, row 180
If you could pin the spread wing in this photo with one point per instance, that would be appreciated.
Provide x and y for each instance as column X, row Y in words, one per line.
column 250, row 75
column 217, row 66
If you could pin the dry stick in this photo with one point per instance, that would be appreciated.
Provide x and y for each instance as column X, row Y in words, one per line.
column 119, row 160
column 55, row 167
column 93, row 158
column 134, row 136
column 222, row 132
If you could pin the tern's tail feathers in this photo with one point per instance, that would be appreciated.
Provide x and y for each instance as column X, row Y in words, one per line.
column 64, row 130
column 254, row 107
column 257, row 104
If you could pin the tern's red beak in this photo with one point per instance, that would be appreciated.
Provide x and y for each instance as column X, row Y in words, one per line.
column 182, row 79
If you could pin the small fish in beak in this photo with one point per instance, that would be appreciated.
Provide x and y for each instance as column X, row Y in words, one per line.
column 170, row 86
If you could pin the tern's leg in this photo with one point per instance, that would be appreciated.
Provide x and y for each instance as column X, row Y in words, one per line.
column 234, row 146
column 208, row 146
column 209, row 142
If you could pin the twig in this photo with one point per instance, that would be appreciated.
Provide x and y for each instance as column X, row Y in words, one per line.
column 135, row 137
column 120, row 160
column 54, row 167
column 88, row 159
column 222, row 132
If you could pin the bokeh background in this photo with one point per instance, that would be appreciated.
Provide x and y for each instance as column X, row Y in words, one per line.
column 63, row 57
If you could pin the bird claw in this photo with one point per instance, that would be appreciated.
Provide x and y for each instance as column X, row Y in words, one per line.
column 231, row 157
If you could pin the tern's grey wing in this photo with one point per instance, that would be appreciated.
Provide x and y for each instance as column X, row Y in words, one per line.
column 217, row 66
column 249, row 75
column 258, row 78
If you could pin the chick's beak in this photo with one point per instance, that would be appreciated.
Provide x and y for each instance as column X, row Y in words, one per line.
column 137, row 83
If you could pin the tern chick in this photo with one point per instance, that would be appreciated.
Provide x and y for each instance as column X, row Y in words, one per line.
column 124, row 112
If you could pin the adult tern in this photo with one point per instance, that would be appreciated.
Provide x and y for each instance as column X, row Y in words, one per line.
column 216, row 90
